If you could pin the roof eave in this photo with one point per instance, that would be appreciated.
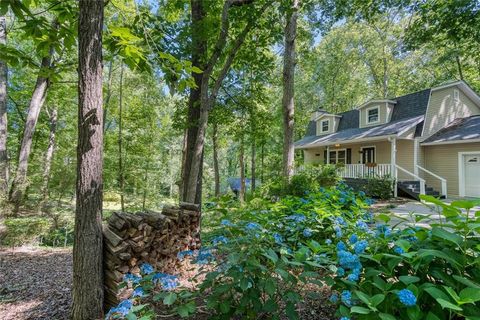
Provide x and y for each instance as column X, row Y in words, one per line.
column 435, row 143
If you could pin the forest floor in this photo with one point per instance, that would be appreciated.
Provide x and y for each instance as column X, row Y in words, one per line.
column 35, row 283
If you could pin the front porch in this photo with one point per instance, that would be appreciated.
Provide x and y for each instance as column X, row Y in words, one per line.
column 392, row 157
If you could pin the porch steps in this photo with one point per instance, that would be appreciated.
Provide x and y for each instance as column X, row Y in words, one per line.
column 412, row 189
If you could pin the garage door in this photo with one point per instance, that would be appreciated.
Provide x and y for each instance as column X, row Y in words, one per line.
column 472, row 175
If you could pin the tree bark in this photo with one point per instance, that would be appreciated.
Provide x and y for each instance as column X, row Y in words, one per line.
column 121, row 178
column 241, row 159
column 19, row 184
column 253, row 164
column 108, row 95
column 288, row 90
column 87, row 248
column 49, row 156
column 3, row 116
column 216, row 170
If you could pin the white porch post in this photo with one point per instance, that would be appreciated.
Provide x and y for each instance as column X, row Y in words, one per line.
column 416, row 146
column 393, row 162
column 328, row 155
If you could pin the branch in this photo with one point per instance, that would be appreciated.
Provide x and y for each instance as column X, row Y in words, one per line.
column 233, row 52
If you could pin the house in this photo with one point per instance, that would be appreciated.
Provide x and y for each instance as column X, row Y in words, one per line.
column 429, row 141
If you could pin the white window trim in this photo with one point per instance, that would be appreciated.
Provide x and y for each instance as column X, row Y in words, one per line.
column 374, row 153
column 461, row 170
column 321, row 125
column 336, row 154
column 378, row 115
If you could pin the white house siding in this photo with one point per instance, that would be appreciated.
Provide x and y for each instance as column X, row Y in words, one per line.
column 443, row 161
column 383, row 114
column 442, row 110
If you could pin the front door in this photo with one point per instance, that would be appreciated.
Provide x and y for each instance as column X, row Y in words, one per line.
column 368, row 155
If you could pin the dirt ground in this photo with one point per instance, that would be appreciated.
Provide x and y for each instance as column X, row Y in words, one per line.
column 35, row 283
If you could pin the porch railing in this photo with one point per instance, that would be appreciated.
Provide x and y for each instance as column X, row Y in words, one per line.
column 443, row 181
column 364, row 171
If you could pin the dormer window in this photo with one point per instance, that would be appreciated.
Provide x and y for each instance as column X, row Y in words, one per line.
column 373, row 115
column 324, row 125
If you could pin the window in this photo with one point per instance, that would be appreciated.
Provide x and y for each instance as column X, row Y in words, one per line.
column 338, row 156
column 324, row 125
column 373, row 115
column 456, row 96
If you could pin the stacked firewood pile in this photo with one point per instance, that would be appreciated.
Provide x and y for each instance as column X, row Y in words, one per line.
column 151, row 237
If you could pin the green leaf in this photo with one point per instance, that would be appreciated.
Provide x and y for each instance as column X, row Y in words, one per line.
column 448, row 305
column 409, row 279
column 386, row 316
column 291, row 312
column 446, row 235
column 431, row 316
column 362, row 296
column 170, row 298
column 466, row 282
column 270, row 287
column 469, row 295
column 245, row 284
column 377, row 299
column 131, row 316
column 272, row 255
column 186, row 309
column 270, row 306
column 360, row 310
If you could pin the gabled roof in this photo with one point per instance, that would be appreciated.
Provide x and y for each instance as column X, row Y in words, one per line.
column 394, row 128
column 460, row 130
column 411, row 105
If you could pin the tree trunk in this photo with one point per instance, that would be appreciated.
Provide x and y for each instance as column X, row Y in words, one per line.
column 3, row 116
column 459, row 66
column 87, row 248
column 253, row 160
column 241, row 159
column 49, row 156
column 19, row 185
column 216, row 170
column 199, row 52
column 262, row 157
column 288, row 90
column 121, row 179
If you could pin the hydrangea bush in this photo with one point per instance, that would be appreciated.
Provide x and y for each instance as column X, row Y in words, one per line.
column 261, row 256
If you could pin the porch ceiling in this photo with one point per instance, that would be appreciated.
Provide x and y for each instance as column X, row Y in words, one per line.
column 381, row 132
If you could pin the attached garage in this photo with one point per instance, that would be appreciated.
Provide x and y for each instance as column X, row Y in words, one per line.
column 469, row 174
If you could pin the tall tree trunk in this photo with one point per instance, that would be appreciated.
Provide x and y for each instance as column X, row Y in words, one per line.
column 87, row 247
column 288, row 90
column 262, row 157
column 459, row 66
column 241, row 159
column 199, row 52
column 19, row 185
column 253, row 160
column 121, row 178
column 108, row 95
column 216, row 170
column 49, row 156
column 3, row 117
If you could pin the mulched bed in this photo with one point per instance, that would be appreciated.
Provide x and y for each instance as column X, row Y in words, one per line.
column 35, row 283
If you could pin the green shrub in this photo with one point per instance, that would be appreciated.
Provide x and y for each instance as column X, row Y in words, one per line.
column 28, row 230
column 379, row 187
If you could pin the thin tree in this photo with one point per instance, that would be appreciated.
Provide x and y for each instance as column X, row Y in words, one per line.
column 288, row 90
column 3, row 114
column 49, row 155
column 241, row 160
column 216, row 169
column 121, row 177
column 87, row 247
column 19, row 185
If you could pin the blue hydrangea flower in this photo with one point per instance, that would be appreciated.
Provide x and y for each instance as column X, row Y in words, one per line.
column 407, row 297
column 340, row 221
column 353, row 239
column 384, row 230
column 346, row 297
column 344, row 318
column 297, row 218
column 219, row 239
column 146, row 268
column 226, row 223
column 252, row 226
column 304, row 201
column 132, row 278
column 167, row 281
column 341, row 246
column 328, row 241
column 307, row 233
column 138, row 292
column 338, row 231
column 362, row 225
column 348, row 260
column 204, row 256
column 278, row 238
column 340, row 272
column 398, row 250
column 333, row 298
column 361, row 194
column 360, row 246
column 122, row 309
column 182, row 254
column 354, row 276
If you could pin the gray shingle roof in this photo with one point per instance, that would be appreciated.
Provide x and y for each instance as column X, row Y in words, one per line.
column 391, row 128
column 459, row 130
column 407, row 107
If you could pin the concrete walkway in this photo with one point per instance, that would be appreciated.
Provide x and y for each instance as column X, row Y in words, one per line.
column 406, row 212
